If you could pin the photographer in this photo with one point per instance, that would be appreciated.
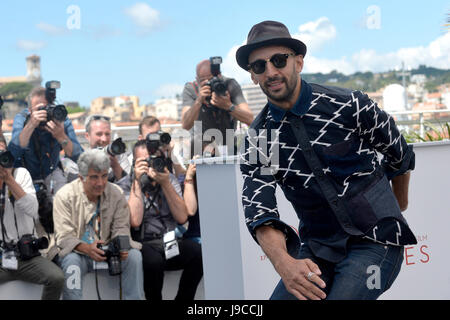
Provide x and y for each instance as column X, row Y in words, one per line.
column 150, row 125
column 91, row 212
column 214, row 102
column 98, row 135
column 157, row 207
column 19, row 252
column 36, row 141
column 39, row 134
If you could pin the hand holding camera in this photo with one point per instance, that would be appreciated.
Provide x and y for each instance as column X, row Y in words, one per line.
column 204, row 92
column 221, row 101
column 94, row 250
column 161, row 178
column 140, row 168
column 56, row 129
column 38, row 115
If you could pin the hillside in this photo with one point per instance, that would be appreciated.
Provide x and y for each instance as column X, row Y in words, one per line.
column 368, row 81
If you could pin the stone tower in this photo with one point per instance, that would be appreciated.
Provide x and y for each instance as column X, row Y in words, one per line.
column 34, row 70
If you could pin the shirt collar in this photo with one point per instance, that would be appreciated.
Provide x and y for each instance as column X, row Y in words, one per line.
column 300, row 107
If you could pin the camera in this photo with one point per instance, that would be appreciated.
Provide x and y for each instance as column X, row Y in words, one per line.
column 159, row 163
column 6, row 159
column 54, row 112
column 112, row 253
column 156, row 140
column 29, row 246
column 45, row 210
column 218, row 85
column 117, row 147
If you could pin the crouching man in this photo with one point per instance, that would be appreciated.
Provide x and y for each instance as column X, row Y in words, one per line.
column 90, row 213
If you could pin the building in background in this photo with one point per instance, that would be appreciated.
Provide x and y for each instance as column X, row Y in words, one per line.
column 33, row 75
column 121, row 108
column 256, row 99
column 168, row 108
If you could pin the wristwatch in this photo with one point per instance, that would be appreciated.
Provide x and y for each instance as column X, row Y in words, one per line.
column 64, row 143
column 232, row 108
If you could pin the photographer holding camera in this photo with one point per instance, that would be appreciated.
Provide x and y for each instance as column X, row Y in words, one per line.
column 89, row 213
column 98, row 135
column 39, row 134
column 19, row 245
column 214, row 102
column 157, row 207
column 151, row 125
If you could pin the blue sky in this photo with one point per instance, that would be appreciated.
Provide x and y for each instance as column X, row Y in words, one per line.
column 150, row 48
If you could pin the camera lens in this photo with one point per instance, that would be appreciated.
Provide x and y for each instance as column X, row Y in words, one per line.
column 165, row 138
column 158, row 164
column 59, row 113
column 117, row 147
column 6, row 159
column 42, row 243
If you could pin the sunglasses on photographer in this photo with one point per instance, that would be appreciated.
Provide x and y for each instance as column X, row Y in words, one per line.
column 100, row 117
column 279, row 60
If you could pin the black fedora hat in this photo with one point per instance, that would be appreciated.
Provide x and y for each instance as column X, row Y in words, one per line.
column 268, row 33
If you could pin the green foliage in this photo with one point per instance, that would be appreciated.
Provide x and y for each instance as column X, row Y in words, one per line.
column 368, row 81
column 75, row 109
column 432, row 133
column 16, row 90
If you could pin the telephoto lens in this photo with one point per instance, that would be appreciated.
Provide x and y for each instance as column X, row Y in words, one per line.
column 116, row 148
column 6, row 159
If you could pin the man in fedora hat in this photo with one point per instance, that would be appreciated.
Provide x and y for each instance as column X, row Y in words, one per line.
column 322, row 151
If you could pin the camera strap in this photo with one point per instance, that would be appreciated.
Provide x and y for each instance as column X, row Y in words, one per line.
column 151, row 204
column 2, row 214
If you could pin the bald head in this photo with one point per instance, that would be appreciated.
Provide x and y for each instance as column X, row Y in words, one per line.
column 203, row 66
column 204, row 71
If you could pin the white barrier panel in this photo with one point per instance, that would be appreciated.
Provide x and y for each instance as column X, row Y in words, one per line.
column 235, row 267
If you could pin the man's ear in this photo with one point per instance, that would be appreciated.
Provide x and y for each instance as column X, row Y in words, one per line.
column 81, row 178
column 255, row 81
column 299, row 63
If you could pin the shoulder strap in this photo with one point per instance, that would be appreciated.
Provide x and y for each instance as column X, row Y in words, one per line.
column 195, row 86
column 328, row 189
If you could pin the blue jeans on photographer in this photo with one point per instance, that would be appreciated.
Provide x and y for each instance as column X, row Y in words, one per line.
column 132, row 275
column 368, row 270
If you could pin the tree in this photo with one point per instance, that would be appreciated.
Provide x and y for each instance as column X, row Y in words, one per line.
column 16, row 90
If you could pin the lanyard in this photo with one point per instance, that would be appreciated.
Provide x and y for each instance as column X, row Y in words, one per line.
column 96, row 218
column 2, row 214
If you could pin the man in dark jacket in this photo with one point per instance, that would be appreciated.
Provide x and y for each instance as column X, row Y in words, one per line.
column 322, row 146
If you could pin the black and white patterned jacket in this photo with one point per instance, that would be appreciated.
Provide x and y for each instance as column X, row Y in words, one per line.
column 348, row 132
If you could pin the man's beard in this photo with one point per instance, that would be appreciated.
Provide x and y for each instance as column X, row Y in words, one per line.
column 288, row 91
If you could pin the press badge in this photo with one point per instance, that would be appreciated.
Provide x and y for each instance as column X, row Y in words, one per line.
column 102, row 265
column 171, row 245
column 9, row 260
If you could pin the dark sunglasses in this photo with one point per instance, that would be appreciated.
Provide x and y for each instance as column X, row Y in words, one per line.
column 279, row 60
column 99, row 117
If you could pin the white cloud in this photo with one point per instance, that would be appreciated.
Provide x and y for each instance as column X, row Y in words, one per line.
column 144, row 17
column 51, row 29
column 316, row 33
column 29, row 45
column 231, row 69
column 169, row 90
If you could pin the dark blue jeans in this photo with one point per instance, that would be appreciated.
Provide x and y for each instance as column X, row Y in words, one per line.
column 368, row 270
